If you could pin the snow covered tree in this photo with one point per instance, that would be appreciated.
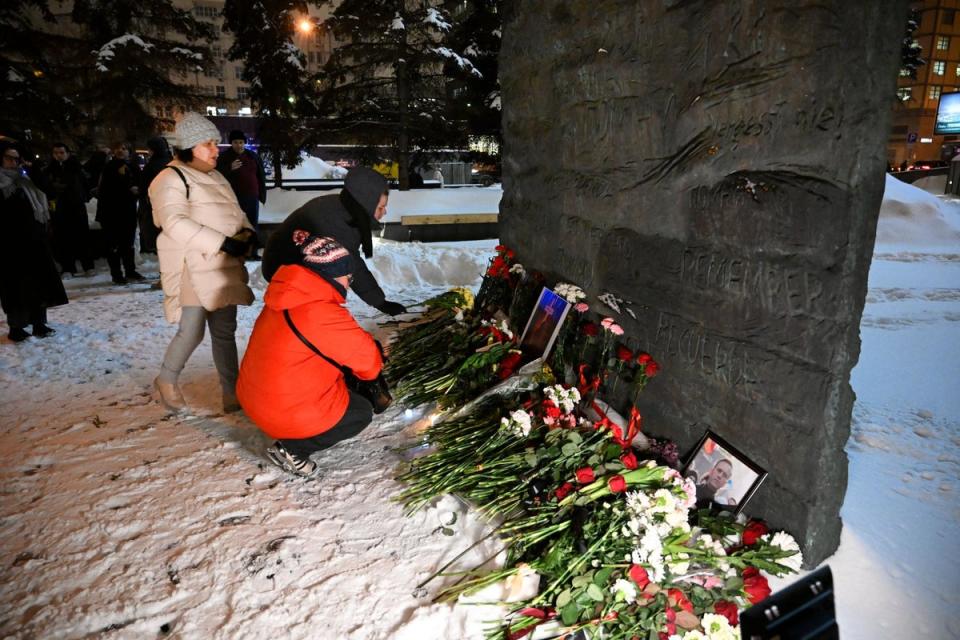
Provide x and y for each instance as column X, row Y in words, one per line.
column 385, row 83
column 475, row 99
column 95, row 69
column 30, row 103
column 130, row 55
column 910, row 58
column 280, row 88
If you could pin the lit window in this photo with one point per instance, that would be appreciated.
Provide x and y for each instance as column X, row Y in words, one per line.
column 906, row 72
column 934, row 92
column 939, row 67
column 943, row 43
column 905, row 93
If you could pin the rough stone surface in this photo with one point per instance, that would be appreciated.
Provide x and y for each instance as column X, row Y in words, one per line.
column 721, row 165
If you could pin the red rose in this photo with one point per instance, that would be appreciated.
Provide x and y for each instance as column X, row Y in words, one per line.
column 728, row 610
column 617, row 484
column 629, row 460
column 639, row 575
column 508, row 365
column 753, row 531
column 755, row 585
column 624, row 354
column 651, row 369
column 585, row 475
column 643, row 357
column 590, row 329
column 563, row 490
column 500, row 248
column 680, row 600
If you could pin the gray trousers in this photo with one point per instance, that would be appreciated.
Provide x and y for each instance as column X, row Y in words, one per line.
column 223, row 325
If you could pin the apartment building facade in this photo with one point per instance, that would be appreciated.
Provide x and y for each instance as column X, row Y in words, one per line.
column 912, row 138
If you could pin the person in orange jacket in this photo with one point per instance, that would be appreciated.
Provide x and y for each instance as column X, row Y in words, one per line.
column 288, row 390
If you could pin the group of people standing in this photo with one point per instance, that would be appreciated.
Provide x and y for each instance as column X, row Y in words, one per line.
column 305, row 346
column 311, row 376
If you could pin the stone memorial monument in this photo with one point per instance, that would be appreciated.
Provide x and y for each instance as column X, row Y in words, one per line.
column 720, row 166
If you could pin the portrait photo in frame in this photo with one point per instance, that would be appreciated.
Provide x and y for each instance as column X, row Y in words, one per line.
column 723, row 475
column 544, row 325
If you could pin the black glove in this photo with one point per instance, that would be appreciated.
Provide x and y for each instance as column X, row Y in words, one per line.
column 242, row 244
column 392, row 308
column 234, row 247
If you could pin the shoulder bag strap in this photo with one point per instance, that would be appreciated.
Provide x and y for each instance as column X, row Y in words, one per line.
column 303, row 338
column 182, row 177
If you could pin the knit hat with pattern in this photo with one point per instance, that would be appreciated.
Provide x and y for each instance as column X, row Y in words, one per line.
column 194, row 129
column 325, row 256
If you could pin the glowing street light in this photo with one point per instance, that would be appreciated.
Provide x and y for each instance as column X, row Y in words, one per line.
column 305, row 25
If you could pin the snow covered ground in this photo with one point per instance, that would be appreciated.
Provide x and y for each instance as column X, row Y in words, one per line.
column 120, row 522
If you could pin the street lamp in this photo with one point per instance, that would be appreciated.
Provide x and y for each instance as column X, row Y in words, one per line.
column 305, row 25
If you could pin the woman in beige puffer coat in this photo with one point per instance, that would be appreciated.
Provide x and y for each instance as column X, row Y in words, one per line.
column 204, row 238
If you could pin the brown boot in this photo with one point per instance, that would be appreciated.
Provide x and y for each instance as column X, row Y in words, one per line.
column 170, row 396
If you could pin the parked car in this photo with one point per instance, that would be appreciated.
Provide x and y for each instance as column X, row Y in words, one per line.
column 485, row 174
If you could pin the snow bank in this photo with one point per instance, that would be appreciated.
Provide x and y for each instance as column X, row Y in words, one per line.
column 911, row 217
column 314, row 168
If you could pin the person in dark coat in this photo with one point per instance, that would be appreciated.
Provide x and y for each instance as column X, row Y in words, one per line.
column 348, row 218
column 243, row 169
column 117, row 212
column 67, row 191
column 160, row 155
column 93, row 167
column 29, row 282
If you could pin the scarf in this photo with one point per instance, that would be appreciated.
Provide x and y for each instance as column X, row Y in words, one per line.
column 12, row 180
column 361, row 220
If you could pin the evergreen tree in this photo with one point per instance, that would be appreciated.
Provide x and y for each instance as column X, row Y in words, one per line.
column 385, row 82
column 910, row 50
column 31, row 107
column 280, row 88
column 95, row 71
column 476, row 98
column 132, row 54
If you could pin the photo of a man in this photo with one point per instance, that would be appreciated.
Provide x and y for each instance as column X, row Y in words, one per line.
column 723, row 476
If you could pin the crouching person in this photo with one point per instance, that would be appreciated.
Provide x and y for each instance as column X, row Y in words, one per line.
column 292, row 379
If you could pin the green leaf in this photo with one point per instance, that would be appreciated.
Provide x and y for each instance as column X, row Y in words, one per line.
column 595, row 592
column 563, row 599
column 580, row 581
column 733, row 584
column 531, row 459
column 574, row 437
column 603, row 576
column 569, row 450
column 570, row 614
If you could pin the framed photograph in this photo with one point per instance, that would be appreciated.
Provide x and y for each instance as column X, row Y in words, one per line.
column 723, row 475
column 543, row 325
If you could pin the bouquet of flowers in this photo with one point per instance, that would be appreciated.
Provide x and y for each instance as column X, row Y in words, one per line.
column 614, row 538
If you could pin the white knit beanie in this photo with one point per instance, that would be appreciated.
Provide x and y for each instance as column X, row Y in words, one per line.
column 194, row 129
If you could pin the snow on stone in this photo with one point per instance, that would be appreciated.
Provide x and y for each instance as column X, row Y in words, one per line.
column 107, row 52
column 397, row 24
column 120, row 521
column 435, row 18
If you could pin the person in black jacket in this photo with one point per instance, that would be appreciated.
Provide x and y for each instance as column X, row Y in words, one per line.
column 67, row 191
column 117, row 212
column 160, row 156
column 349, row 218
column 29, row 283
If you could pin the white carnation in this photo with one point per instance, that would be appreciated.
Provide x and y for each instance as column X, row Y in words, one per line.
column 785, row 541
column 626, row 588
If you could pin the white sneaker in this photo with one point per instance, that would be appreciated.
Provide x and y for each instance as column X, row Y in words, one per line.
column 304, row 467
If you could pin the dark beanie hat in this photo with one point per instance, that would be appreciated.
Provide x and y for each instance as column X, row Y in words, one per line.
column 322, row 255
column 236, row 134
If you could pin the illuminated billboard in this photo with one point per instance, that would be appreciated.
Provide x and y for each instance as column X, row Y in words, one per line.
column 948, row 114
